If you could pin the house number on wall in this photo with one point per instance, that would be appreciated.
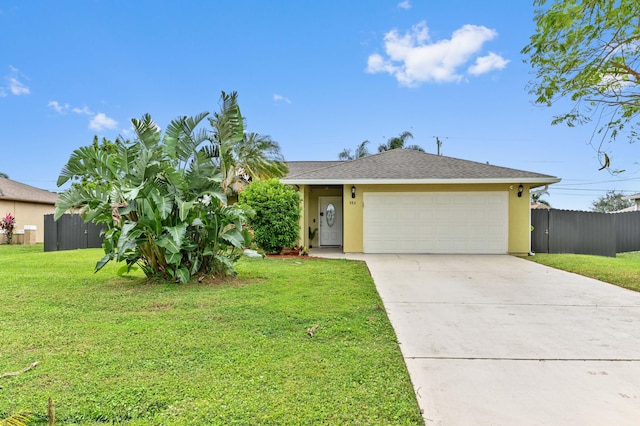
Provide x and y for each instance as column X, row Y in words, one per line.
column 352, row 203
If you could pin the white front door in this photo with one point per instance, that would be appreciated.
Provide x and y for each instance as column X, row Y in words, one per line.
column 330, row 221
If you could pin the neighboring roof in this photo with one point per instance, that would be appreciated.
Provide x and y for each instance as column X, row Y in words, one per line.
column 634, row 197
column 15, row 191
column 536, row 206
column 408, row 166
column 633, row 208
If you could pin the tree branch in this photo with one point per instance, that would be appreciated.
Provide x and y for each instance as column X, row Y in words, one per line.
column 24, row 370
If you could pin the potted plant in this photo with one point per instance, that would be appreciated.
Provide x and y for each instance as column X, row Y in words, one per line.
column 312, row 236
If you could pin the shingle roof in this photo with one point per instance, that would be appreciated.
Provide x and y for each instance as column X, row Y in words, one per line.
column 402, row 165
column 301, row 167
column 16, row 191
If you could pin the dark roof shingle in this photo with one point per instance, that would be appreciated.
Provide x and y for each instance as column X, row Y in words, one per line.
column 16, row 191
column 407, row 165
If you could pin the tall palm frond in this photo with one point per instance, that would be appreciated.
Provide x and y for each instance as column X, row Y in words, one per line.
column 228, row 131
column 147, row 130
column 360, row 151
column 345, row 155
column 259, row 156
column 414, row 148
column 182, row 140
column 241, row 157
column 397, row 142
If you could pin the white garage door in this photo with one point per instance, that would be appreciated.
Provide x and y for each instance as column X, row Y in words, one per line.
column 436, row 222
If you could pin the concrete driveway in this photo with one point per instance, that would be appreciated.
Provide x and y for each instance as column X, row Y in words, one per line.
column 497, row 340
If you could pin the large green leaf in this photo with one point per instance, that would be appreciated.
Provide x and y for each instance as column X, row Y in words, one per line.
column 183, row 274
column 180, row 138
column 163, row 203
column 100, row 264
column 174, row 258
column 128, row 239
column 167, row 243
column 233, row 236
column 91, row 163
column 132, row 193
column 147, row 211
column 176, row 234
column 147, row 131
column 184, row 207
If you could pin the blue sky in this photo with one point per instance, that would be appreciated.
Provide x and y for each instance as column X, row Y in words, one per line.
column 317, row 76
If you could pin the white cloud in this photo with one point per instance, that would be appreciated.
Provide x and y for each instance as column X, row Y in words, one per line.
column 98, row 122
column 406, row 5
column 101, row 122
column 59, row 108
column 64, row 108
column 14, row 85
column 279, row 98
column 413, row 58
column 17, row 87
column 83, row 111
column 485, row 64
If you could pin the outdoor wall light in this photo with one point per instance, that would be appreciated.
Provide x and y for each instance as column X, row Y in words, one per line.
column 353, row 191
column 520, row 190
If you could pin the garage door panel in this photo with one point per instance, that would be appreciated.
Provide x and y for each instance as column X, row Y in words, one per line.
column 436, row 222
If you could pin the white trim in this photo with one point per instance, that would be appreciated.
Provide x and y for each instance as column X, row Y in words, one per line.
column 538, row 181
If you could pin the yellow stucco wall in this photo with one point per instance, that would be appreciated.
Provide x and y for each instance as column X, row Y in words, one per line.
column 519, row 210
column 353, row 233
column 27, row 214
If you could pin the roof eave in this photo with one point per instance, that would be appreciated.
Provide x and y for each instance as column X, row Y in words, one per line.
column 26, row 200
column 523, row 180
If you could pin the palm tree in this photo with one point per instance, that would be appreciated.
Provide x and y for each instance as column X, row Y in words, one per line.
column 241, row 157
column 258, row 157
column 360, row 151
column 399, row 142
column 536, row 198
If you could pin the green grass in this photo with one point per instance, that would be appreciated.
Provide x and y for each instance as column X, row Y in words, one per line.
column 623, row 270
column 116, row 350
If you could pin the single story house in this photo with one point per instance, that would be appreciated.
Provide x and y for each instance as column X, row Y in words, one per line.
column 27, row 204
column 636, row 204
column 406, row 201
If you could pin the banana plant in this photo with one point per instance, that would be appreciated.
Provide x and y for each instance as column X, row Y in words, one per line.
column 162, row 198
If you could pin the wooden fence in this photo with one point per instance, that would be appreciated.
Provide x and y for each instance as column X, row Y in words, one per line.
column 567, row 231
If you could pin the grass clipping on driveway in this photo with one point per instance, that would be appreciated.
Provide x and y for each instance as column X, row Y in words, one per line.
column 121, row 350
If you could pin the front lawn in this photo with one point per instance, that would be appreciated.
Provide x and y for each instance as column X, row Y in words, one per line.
column 623, row 270
column 123, row 351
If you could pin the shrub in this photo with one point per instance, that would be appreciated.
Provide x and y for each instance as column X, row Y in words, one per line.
column 7, row 224
column 276, row 223
column 160, row 198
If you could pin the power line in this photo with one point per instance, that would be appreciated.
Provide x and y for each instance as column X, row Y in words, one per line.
column 602, row 181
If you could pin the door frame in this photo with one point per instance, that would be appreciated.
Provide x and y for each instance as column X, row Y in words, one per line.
column 336, row 200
